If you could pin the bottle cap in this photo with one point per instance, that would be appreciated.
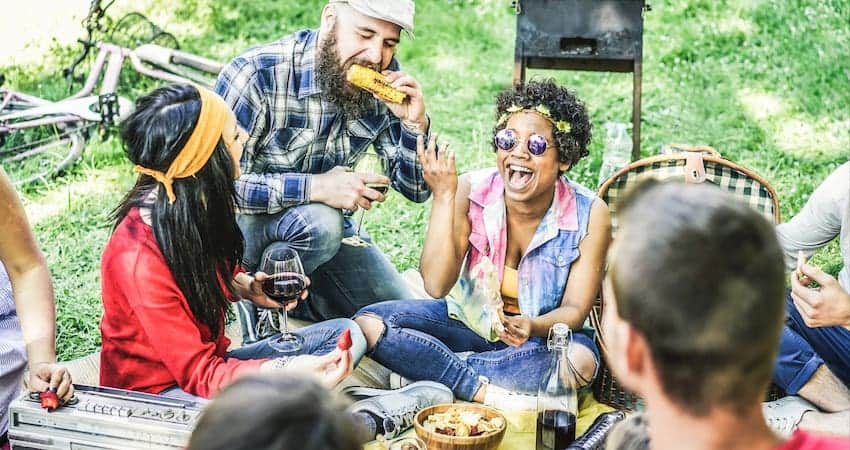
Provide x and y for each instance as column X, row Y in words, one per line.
column 560, row 329
column 559, row 336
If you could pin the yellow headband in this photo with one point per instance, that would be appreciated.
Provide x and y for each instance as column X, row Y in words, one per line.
column 561, row 125
column 200, row 146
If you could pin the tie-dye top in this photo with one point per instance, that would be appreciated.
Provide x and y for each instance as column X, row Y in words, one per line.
column 544, row 268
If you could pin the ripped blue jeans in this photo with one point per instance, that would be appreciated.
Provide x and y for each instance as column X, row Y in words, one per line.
column 421, row 342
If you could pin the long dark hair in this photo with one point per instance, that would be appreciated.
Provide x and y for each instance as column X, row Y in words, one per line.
column 197, row 234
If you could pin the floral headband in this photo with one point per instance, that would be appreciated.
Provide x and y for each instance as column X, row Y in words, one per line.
column 543, row 110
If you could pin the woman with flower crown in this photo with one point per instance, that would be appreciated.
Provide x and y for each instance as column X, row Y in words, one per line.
column 519, row 246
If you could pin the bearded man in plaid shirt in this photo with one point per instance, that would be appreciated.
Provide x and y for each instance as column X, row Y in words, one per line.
column 307, row 126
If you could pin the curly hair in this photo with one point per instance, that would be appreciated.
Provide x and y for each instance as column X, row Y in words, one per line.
column 562, row 104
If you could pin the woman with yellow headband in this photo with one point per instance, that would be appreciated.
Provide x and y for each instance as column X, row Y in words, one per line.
column 526, row 247
column 171, row 267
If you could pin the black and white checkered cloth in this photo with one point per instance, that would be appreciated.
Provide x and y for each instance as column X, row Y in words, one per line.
column 717, row 171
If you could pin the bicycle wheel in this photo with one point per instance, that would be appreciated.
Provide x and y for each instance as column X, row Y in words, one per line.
column 135, row 29
column 32, row 153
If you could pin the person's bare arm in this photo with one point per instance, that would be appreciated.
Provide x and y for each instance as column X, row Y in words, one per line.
column 447, row 237
column 33, row 293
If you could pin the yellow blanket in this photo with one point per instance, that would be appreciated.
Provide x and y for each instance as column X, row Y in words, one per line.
column 522, row 425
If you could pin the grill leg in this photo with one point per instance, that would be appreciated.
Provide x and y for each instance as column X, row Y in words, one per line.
column 636, row 103
column 519, row 68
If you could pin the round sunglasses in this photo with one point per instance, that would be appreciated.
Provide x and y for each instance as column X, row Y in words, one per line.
column 506, row 139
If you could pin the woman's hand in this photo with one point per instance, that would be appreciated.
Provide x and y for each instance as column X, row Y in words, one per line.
column 48, row 375
column 517, row 330
column 438, row 167
column 258, row 297
column 327, row 370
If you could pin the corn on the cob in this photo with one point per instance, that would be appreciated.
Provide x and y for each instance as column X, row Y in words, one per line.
column 373, row 82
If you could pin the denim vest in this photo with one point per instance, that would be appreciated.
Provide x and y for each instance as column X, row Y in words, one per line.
column 543, row 269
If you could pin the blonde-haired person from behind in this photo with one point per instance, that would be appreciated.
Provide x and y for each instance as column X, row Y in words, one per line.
column 27, row 315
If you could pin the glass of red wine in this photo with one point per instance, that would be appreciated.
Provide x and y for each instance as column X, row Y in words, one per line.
column 284, row 285
column 370, row 163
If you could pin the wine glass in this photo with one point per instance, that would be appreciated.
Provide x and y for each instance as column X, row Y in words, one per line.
column 284, row 285
column 369, row 163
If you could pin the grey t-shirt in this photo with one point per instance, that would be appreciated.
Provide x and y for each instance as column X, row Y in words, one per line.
column 825, row 216
column 13, row 356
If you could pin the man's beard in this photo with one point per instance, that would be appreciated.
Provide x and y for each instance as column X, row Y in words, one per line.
column 330, row 73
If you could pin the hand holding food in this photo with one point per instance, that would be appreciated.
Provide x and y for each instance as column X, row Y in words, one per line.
column 49, row 399
column 45, row 376
column 517, row 330
column 826, row 305
column 344, row 341
column 374, row 82
column 801, row 277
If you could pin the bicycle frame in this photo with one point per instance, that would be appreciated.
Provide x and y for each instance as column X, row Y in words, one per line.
column 54, row 133
column 10, row 97
column 84, row 106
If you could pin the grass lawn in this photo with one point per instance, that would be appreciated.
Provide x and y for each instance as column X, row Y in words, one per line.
column 763, row 81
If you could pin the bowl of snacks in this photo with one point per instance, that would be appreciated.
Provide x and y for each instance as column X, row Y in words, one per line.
column 460, row 426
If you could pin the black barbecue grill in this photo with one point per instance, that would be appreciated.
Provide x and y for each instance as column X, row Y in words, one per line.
column 594, row 35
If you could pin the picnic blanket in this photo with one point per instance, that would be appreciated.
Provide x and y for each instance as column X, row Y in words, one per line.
column 522, row 425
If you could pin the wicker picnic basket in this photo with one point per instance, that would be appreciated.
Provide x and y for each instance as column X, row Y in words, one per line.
column 692, row 164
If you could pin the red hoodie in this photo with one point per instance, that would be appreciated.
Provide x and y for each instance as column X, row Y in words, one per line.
column 151, row 339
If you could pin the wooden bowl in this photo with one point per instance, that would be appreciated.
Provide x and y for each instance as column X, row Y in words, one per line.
column 437, row 441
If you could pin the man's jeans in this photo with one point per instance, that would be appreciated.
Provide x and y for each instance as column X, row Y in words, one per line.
column 319, row 339
column 802, row 350
column 420, row 342
column 343, row 278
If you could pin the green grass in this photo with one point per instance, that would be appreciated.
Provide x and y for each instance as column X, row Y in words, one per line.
column 765, row 82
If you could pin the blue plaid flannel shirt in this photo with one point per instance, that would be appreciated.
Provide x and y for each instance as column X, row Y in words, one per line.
column 294, row 132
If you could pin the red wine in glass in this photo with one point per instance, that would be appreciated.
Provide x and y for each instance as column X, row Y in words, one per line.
column 555, row 429
column 284, row 287
column 285, row 284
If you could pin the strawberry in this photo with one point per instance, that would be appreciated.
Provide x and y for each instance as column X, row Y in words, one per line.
column 344, row 341
column 49, row 399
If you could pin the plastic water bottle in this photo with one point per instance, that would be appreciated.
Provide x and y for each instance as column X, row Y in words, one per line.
column 618, row 150
column 557, row 403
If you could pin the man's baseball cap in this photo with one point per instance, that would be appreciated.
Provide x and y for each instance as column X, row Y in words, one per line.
column 399, row 12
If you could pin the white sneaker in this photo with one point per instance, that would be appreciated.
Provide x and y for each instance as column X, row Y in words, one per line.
column 784, row 415
column 505, row 400
column 397, row 381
